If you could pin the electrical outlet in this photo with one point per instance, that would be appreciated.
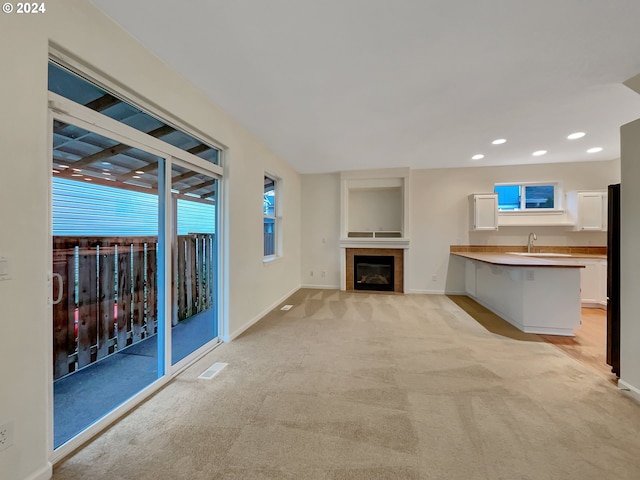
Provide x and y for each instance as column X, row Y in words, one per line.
column 311, row 273
column 434, row 278
column 322, row 274
column 6, row 435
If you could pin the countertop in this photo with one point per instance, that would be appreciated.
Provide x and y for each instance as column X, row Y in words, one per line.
column 512, row 260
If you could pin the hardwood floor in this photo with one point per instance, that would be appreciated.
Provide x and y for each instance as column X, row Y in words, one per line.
column 589, row 346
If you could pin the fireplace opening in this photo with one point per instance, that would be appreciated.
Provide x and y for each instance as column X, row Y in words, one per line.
column 373, row 272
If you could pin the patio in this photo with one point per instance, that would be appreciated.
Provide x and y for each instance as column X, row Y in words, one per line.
column 85, row 396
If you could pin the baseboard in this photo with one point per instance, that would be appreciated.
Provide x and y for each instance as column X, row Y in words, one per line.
column 455, row 292
column 257, row 318
column 321, row 287
column 44, row 473
column 629, row 390
column 415, row 291
column 598, row 305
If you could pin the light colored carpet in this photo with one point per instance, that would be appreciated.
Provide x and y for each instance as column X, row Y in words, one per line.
column 352, row 386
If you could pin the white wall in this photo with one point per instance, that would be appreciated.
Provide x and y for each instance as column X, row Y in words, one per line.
column 439, row 217
column 25, row 319
column 375, row 210
column 320, row 230
column 630, row 258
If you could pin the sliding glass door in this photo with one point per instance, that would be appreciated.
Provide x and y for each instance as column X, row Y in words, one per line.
column 107, row 218
column 135, row 229
column 194, row 256
column 126, row 311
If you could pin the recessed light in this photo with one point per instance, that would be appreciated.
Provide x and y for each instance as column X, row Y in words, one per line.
column 139, row 172
column 576, row 135
column 136, row 176
column 105, row 163
column 539, row 153
column 594, row 150
column 77, row 169
column 88, row 179
column 106, row 173
column 499, row 141
column 76, row 174
column 477, row 157
column 56, row 171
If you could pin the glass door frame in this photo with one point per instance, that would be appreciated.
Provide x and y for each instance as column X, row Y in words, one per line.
column 189, row 359
column 72, row 113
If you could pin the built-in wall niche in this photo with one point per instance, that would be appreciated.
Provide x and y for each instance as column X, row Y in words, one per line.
column 375, row 212
column 374, row 205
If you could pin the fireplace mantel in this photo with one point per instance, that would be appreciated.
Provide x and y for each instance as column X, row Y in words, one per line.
column 374, row 243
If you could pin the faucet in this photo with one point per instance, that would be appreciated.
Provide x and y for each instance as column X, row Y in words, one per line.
column 532, row 237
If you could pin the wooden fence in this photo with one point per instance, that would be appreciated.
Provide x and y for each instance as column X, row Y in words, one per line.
column 110, row 293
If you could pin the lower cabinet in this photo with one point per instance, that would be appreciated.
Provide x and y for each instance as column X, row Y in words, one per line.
column 593, row 283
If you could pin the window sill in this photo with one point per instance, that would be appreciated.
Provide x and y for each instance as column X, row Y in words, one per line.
column 271, row 260
column 531, row 211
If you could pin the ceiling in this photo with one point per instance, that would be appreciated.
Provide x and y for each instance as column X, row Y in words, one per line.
column 333, row 85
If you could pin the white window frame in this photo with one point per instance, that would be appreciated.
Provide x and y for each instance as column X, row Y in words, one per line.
column 557, row 198
column 277, row 219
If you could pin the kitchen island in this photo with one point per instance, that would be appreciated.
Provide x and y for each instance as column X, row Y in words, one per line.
column 535, row 294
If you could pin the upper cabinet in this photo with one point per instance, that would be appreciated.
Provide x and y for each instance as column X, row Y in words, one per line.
column 483, row 211
column 588, row 210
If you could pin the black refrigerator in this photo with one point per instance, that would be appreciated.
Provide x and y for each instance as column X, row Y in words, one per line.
column 613, row 279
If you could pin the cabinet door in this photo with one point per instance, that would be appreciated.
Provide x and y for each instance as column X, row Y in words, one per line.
column 589, row 281
column 605, row 212
column 590, row 211
column 485, row 212
column 602, row 283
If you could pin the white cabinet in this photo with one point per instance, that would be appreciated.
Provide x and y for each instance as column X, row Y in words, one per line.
column 593, row 283
column 483, row 211
column 589, row 283
column 588, row 210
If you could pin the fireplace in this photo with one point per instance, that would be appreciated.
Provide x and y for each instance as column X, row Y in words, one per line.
column 373, row 272
column 374, row 269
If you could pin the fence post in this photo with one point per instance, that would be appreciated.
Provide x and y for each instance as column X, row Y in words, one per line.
column 107, row 287
column 124, row 294
column 87, row 302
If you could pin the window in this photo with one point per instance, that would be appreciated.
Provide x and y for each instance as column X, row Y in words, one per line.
column 528, row 196
column 271, row 212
